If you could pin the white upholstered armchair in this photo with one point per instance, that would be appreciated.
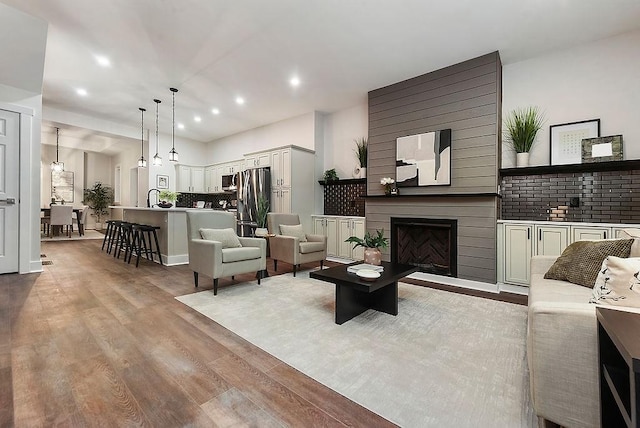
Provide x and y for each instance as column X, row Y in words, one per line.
column 216, row 251
column 291, row 244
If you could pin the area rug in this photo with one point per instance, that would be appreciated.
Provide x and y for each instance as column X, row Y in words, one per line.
column 446, row 360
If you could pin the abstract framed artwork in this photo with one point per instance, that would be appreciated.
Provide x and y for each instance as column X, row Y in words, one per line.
column 602, row 149
column 566, row 140
column 62, row 186
column 162, row 181
column 424, row 159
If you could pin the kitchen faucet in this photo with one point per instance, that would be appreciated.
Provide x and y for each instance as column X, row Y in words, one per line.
column 149, row 195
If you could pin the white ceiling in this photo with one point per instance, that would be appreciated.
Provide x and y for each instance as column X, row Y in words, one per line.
column 215, row 50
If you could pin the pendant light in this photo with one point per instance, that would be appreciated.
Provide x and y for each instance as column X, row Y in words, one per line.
column 173, row 155
column 142, row 163
column 157, row 160
column 57, row 166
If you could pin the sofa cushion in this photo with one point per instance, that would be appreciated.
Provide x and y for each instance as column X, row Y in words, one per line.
column 635, row 234
column 293, row 230
column 311, row 247
column 618, row 283
column 581, row 261
column 227, row 237
column 230, row 255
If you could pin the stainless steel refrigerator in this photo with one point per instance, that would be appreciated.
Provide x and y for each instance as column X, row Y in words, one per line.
column 252, row 183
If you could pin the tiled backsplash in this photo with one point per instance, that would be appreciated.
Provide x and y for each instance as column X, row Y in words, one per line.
column 188, row 199
column 604, row 196
column 345, row 197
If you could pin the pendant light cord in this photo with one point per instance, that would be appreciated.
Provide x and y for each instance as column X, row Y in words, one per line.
column 57, row 147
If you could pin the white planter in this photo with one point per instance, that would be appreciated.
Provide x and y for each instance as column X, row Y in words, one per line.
column 363, row 172
column 261, row 231
column 522, row 159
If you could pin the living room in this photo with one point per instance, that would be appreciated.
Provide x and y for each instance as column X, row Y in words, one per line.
column 583, row 80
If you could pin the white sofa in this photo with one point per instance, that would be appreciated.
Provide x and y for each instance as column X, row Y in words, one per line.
column 562, row 350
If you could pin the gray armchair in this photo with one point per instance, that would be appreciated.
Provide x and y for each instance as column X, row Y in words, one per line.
column 293, row 249
column 221, row 258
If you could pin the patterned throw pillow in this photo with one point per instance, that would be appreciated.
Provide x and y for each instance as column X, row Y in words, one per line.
column 227, row 237
column 618, row 283
column 293, row 230
column 581, row 261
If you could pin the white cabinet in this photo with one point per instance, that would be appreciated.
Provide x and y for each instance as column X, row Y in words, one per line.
column 551, row 240
column 327, row 226
column 281, row 168
column 337, row 230
column 587, row 233
column 190, row 179
column 213, row 179
column 280, row 200
column 518, row 250
column 257, row 160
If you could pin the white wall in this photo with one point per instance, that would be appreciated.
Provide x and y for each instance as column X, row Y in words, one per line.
column 298, row 131
column 340, row 130
column 591, row 81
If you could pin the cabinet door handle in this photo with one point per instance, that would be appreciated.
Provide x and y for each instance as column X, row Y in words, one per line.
column 540, row 235
column 605, row 234
column 528, row 233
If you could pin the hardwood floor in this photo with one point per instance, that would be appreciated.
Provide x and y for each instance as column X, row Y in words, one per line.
column 93, row 341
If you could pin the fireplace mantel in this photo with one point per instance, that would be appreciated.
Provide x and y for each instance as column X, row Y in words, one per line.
column 440, row 195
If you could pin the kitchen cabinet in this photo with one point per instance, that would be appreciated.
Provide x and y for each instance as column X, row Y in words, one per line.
column 551, row 240
column 337, row 229
column 281, row 200
column 281, row 168
column 257, row 160
column 190, row 179
column 518, row 251
column 590, row 233
column 213, row 179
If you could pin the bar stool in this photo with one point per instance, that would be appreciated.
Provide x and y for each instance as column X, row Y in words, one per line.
column 142, row 239
column 124, row 241
column 108, row 235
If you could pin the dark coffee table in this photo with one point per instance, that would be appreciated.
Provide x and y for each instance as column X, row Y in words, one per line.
column 354, row 295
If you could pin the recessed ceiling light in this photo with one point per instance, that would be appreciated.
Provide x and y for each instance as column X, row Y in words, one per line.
column 81, row 92
column 181, row 126
column 197, row 118
column 294, row 81
column 215, row 111
column 103, row 60
column 240, row 100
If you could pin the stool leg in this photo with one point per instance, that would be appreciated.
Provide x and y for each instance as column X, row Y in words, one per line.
column 148, row 253
column 155, row 236
column 141, row 243
column 106, row 234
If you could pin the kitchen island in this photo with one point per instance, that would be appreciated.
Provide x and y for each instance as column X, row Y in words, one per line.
column 172, row 234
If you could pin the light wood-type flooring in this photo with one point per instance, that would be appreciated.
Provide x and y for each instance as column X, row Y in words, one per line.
column 93, row 341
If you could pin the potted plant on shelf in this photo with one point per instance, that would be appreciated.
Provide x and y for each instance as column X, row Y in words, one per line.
column 521, row 127
column 261, row 216
column 331, row 175
column 98, row 198
column 361, row 153
column 372, row 245
column 167, row 198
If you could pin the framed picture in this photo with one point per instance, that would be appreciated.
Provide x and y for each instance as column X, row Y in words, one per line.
column 602, row 149
column 424, row 159
column 566, row 140
column 62, row 186
column 162, row 181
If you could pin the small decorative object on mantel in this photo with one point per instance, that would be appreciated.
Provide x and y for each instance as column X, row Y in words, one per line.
column 331, row 175
column 602, row 149
column 521, row 128
column 361, row 152
column 372, row 245
column 387, row 182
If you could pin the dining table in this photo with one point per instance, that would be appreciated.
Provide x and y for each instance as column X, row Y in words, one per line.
column 76, row 211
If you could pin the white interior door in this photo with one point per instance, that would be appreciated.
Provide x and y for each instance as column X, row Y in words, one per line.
column 9, row 178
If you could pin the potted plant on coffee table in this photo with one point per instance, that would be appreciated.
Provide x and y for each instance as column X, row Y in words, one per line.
column 98, row 198
column 521, row 127
column 372, row 245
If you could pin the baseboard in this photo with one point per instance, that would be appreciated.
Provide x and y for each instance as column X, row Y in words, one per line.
column 181, row 259
column 35, row 267
column 522, row 290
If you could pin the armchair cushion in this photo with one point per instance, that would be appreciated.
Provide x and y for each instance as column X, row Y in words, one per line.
column 230, row 255
column 227, row 237
column 293, row 230
column 311, row 247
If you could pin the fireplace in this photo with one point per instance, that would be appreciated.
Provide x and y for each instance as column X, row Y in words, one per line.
column 430, row 244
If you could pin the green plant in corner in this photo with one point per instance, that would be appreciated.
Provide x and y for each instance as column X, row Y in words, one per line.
column 521, row 127
column 361, row 151
column 168, row 195
column 261, row 211
column 370, row 241
column 98, row 198
column 331, row 175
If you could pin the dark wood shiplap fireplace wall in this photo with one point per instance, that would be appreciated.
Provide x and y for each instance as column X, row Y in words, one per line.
column 465, row 98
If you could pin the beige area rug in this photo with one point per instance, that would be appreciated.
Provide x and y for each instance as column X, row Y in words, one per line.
column 75, row 236
column 447, row 360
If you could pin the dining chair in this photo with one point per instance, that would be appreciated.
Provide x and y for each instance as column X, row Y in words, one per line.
column 61, row 215
column 83, row 220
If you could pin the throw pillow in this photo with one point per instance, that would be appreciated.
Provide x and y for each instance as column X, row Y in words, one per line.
column 618, row 283
column 293, row 230
column 227, row 237
column 581, row 261
column 635, row 234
